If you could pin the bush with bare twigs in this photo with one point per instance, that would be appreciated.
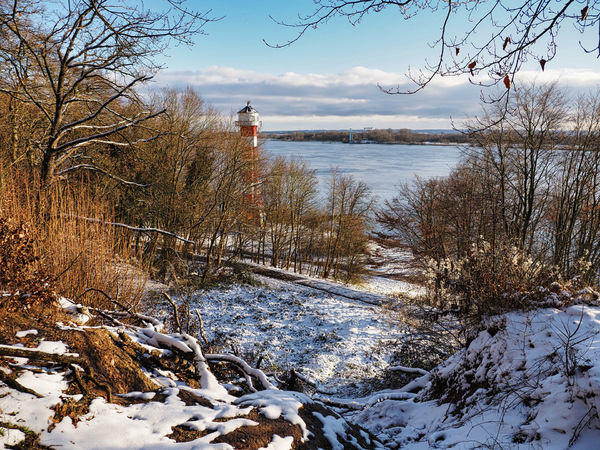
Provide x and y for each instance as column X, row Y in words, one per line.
column 488, row 280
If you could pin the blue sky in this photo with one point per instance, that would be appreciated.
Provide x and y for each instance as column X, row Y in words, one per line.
column 328, row 79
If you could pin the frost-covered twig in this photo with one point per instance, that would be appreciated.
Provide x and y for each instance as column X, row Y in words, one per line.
column 343, row 404
column 132, row 228
column 304, row 378
column 570, row 340
column 156, row 324
column 161, row 340
column 391, row 395
column 417, row 384
column 360, row 404
column 175, row 311
column 98, row 169
column 591, row 414
column 186, row 344
column 207, row 379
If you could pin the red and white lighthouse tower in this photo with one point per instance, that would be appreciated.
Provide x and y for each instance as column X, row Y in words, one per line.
column 248, row 121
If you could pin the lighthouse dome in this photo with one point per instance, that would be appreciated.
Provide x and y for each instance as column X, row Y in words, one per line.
column 248, row 116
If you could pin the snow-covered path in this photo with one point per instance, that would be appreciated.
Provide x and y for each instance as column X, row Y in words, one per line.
column 329, row 287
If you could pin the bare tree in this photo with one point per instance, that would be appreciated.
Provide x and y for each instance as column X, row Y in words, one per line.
column 301, row 196
column 464, row 44
column 521, row 155
column 225, row 211
column 275, row 208
column 290, row 195
column 79, row 62
column 412, row 219
column 573, row 212
column 348, row 211
column 529, row 188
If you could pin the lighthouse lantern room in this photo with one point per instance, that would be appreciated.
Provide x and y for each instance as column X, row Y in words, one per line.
column 248, row 116
column 248, row 121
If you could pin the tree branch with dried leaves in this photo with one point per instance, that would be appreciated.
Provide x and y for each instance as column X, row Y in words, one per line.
column 492, row 38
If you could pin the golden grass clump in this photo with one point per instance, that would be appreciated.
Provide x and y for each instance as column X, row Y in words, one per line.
column 87, row 258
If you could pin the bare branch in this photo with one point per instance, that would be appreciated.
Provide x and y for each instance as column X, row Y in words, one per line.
column 79, row 63
column 138, row 229
column 499, row 51
column 175, row 312
column 102, row 171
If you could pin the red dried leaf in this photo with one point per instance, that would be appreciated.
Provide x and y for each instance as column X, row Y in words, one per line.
column 507, row 82
column 472, row 66
column 543, row 64
column 457, row 50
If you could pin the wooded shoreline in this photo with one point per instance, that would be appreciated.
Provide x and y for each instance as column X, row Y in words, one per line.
column 375, row 136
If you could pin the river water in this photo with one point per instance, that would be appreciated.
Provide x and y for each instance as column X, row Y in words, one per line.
column 382, row 166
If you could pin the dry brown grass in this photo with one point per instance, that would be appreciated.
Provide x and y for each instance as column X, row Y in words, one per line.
column 88, row 260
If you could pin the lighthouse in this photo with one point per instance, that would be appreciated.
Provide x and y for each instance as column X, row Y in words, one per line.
column 248, row 121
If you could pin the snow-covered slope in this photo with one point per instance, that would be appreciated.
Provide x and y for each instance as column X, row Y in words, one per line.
column 72, row 400
column 526, row 380
column 333, row 340
column 531, row 380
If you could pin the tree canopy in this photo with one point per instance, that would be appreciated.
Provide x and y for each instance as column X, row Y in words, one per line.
column 78, row 64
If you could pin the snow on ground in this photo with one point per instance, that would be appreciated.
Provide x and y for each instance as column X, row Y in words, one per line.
column 388, row 267
column 387, row 286
column 332, row 340
column 531, row 382
column 146, row 425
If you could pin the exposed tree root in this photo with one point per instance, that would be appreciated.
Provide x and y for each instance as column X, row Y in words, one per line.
column 14, row 384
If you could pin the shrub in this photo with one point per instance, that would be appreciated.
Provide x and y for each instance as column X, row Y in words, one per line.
column 70, row 236
column 488, row 280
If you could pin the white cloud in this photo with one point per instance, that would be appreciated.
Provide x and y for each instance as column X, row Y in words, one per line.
column 348, row 99
column 356, row 76
column 569, row 78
